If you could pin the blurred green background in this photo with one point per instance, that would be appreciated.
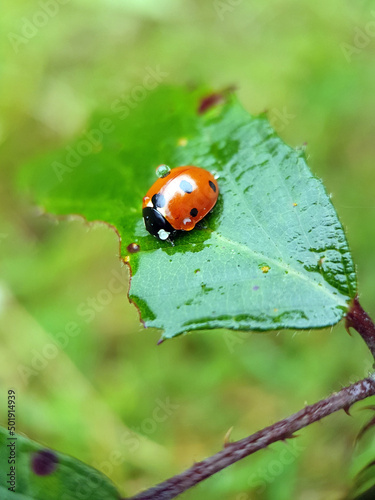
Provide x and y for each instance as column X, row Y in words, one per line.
column 102, row 395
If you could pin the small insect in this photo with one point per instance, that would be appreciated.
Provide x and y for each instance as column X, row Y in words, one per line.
column 179, row 199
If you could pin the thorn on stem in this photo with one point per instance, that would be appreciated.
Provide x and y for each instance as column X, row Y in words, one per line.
column 227, row 437
column 293, row 436
column 347, row 410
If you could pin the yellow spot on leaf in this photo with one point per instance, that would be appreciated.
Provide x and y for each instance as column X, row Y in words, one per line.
column 265, row 269
column 182, row 141
column 127, row 258
column 294, row 204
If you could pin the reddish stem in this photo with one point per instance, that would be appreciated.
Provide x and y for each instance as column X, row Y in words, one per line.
column 280, row 431
column 358, row 319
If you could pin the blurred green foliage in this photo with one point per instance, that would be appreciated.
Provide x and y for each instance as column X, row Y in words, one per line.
column 39, row 473
column 99, row 397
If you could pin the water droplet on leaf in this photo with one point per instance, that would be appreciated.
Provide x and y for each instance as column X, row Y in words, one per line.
column 163, row 170
column 133, row 248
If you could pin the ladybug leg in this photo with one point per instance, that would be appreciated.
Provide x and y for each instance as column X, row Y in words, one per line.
column 171, row 237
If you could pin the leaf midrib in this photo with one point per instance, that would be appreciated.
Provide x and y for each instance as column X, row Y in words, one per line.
column 286, row 267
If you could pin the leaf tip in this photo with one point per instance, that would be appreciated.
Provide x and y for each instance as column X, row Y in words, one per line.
column 215, row 98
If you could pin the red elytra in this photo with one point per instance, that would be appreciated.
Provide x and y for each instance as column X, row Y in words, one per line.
column 180, row 199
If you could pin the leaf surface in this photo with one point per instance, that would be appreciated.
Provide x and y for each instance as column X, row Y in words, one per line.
column 271, row 255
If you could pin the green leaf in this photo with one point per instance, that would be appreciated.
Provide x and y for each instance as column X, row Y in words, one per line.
column 271, row 255
column 44, row 474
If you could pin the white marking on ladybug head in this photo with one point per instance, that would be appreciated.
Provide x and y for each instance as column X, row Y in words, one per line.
column 186, row 221
column 163, row 234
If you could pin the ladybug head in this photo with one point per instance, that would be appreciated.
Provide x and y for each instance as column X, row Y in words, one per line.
column 156, row 224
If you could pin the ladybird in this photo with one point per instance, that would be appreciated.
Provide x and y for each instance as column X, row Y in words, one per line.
column 178, row 200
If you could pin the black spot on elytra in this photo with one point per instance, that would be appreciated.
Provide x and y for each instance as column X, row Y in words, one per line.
column 186, row 187
column 44, row 462
column 212, row 186
column 193, row 212
column 158, row 200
